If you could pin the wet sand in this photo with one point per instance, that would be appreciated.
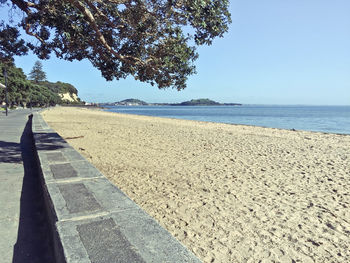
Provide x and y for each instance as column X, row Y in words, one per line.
column 230, row 193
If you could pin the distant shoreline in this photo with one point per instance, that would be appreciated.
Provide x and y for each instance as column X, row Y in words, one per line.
column 172, row 104
column 196, row 102
column 326, row 119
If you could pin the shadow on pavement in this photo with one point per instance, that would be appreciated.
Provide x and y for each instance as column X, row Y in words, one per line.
column 34, row 242
column 49, row 141
column 10, row 152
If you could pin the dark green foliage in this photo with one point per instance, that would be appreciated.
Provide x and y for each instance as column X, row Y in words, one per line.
column 133, row 101
column 143, row 38
column 41, row 96
column 23, row 92
column 37, row 74
column 10, row 44
column 59, row 87
column 199, row 102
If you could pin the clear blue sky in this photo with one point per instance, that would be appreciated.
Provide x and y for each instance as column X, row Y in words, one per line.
column 276, row 52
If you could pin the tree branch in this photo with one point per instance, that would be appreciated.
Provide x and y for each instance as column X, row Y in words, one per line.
column 28, row 26
column 99, row 13
column 23, row 5
column 94, row 26
column 91, row 20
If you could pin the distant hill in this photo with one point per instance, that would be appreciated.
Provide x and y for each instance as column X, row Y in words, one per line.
column 59, row 87
column 199, row 102
column 204, row 102
column 67, row 92
column 130, row 102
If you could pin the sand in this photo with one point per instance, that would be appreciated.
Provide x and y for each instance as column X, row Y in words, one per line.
column 230, row 193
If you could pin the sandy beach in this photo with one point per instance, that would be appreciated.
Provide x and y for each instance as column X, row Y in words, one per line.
column 230, row 193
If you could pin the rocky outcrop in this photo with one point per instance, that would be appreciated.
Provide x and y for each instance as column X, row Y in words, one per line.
column 69, row 97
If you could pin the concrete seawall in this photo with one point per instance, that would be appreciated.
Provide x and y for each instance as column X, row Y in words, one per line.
column 91, row 219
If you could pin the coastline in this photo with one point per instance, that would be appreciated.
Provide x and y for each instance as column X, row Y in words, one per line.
column 325, row 119
column 227, row 192
column 225, row 123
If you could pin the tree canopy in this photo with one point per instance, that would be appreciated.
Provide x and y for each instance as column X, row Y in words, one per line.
column 60, row 87
column 24, row 92
column 199, row 102
column 37, row 74
column 152, row 40
column 10, row 44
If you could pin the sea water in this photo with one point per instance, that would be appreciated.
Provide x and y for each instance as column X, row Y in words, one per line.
column 329, row 119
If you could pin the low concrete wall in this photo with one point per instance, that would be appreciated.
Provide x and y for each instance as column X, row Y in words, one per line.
column 91, row 219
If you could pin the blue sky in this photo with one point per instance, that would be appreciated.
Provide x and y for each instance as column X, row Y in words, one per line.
column 276, row 52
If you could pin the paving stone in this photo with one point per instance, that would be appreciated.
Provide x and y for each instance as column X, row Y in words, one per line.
column 110, row 246
column 73, row 155
column 78, row 198
column 55, row 157
column 108, row 196
column 154, row 243
column 63, row 170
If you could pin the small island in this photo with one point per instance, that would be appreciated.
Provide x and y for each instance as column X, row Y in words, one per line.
column 199, row 102
column 131, row 102
column 204, row 102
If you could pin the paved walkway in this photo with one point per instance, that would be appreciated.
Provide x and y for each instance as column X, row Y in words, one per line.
column 94, row 220
column 23, row 227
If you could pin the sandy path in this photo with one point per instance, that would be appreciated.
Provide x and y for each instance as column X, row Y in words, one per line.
column 229, row 193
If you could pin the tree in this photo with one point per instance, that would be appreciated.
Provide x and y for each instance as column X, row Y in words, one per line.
column 37, row 74
column 152, row 40
column 10, row 44
column 22, row 91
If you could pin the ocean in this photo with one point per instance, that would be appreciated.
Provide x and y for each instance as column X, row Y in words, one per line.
column 328, row 119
